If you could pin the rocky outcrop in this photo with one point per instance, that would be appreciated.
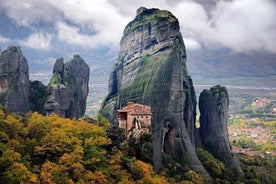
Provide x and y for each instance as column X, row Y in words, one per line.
column 68, row 88
column 213, row 105
column 14, row 80
column 58, row 100
column 151, row 70
column 65, row 95
column 76, row 73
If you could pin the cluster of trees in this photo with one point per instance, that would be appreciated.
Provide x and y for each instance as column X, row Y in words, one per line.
column 258, row 170
column 40, row 149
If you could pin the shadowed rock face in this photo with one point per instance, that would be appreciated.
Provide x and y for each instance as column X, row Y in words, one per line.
column 68, row 88
column 151, row 70
column 14, row 80
column 213, row 105
column 76, row 73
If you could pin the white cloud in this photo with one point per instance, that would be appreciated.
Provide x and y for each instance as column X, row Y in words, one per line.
column 26, row 12
column 103, row 19
column 241, row 25
column 193, row 17
column 71, row 35
column 41, row 41
column 245, row 25
column 191, row 44
column 194, row 23
column 3, row 39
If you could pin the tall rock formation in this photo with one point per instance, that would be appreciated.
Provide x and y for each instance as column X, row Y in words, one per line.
column 58, row 99
column 151, row 70
column 213, row 105
column 76, row 73
column 14, row 80
column 68, row 88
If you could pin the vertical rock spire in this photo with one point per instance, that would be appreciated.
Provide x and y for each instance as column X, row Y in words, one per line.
column 68, row 88
column 151, row 70
column 213, row 105
column 14, row 80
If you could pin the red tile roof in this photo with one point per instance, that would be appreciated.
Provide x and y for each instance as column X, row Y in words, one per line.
column 136, row 109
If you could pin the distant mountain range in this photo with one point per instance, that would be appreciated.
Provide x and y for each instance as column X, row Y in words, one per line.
column 226, row 63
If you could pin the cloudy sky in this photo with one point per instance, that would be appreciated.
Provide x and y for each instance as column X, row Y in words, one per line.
column 240, row 25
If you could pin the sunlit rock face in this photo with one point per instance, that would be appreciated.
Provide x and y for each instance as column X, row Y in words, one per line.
column 151, row 70
column 14, row 80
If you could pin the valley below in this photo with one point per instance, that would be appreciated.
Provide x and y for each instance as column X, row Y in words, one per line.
column 242, row 90
column 252, row 114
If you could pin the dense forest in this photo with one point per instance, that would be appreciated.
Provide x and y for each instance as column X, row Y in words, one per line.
column 51, row 149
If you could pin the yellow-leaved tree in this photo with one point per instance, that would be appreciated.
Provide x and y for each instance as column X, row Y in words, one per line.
column 50, row 149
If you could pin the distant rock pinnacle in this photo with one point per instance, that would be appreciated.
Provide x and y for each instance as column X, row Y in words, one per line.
column 213, row 105
column 14, row 80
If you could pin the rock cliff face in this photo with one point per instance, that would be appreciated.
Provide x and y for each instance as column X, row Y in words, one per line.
column 14, row 80
column 151, row 70
column 65, row 95
column 58, row 96
column 213, row 105
column 68, row 88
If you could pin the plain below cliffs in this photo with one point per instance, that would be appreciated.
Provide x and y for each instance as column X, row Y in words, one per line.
column 151, row 70
column 65, row 95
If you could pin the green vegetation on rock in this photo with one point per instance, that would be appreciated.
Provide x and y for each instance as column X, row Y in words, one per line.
column 144, row 82
column 146, row 17
column 55, row 79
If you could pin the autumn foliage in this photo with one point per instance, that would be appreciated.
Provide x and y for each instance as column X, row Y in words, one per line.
column 53, row 150
column 40, row 149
